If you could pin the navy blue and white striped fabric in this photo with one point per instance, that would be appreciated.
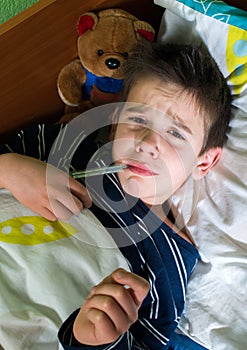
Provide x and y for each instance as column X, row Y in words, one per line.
column 150, row 247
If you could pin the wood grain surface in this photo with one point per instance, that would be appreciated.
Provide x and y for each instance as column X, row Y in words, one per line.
column 35, row 49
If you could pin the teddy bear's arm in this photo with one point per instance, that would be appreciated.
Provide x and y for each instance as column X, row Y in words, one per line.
column 69, row 83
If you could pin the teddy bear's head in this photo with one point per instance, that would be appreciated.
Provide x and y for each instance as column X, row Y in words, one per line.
column 107, row 38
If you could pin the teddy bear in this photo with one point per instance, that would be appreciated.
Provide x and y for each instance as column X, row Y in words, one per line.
column 105, row 41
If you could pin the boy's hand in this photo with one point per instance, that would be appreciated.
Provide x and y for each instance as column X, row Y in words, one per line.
column 110, row 308
column 42, row 188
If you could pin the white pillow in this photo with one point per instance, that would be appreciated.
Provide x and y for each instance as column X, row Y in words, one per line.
column 215, row 315
column 221, row 27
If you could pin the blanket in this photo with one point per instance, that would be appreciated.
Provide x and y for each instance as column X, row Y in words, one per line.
column 47, row 269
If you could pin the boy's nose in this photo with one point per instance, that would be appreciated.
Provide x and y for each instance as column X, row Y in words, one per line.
column 149, row 143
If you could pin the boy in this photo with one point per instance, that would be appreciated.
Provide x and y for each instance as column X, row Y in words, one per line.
column 173, row 126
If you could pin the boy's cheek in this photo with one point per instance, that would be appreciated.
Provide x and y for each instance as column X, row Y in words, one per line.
column 120, row 148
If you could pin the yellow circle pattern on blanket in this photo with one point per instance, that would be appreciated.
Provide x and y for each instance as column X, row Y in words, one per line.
column 236, row 57
column 32, row 230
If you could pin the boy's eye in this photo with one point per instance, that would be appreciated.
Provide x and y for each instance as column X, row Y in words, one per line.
column 137, row 119
column 176, row 134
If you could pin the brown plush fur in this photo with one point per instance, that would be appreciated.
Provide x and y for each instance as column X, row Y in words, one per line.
column 114, row 32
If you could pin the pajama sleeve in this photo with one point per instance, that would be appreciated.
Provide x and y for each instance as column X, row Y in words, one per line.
column 34, row 141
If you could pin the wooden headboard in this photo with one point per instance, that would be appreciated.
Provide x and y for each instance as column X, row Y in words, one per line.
column 34, row 50
column 37, row 43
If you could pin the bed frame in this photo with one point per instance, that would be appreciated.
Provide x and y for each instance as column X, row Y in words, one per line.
column 37, row 43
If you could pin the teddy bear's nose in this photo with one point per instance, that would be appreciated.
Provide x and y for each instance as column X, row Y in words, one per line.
column 112, row 63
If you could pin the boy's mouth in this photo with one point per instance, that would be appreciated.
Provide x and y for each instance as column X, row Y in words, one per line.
column 140, row 169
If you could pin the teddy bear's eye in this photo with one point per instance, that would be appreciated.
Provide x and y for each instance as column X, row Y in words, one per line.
column 100, row 52
column 125, row 54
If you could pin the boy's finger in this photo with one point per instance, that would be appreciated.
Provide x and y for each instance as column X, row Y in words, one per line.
column 109, row 308
column 67, row 204
column 138, row 285
column 100, row 329
column 47, row 214
column 80, row 192
column 115, row 295
column 103, row 324
column 61, row 210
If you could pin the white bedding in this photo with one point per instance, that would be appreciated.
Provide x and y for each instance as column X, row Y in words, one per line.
column 46, row 271
column 216, row 305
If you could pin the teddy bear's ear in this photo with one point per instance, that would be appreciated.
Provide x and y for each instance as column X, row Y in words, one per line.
column 86, row 22
column 145, row 30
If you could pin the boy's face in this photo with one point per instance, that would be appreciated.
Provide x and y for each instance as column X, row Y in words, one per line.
column 159, row 136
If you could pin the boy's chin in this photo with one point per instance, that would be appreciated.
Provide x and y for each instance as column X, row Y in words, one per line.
column 133, row 188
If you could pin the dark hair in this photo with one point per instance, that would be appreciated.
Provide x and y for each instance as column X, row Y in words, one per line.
column 193, row 70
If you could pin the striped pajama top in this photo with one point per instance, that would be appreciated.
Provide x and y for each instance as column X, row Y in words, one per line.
column 152, row 249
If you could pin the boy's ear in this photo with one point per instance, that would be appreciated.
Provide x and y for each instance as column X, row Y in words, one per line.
column 113, row 120
column 206, row 162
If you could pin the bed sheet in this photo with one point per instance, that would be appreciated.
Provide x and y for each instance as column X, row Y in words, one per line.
column 215, row 313
column 47, row 269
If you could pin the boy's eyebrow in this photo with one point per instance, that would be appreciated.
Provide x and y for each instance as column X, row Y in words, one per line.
column 135, row 109
column 177, row 120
